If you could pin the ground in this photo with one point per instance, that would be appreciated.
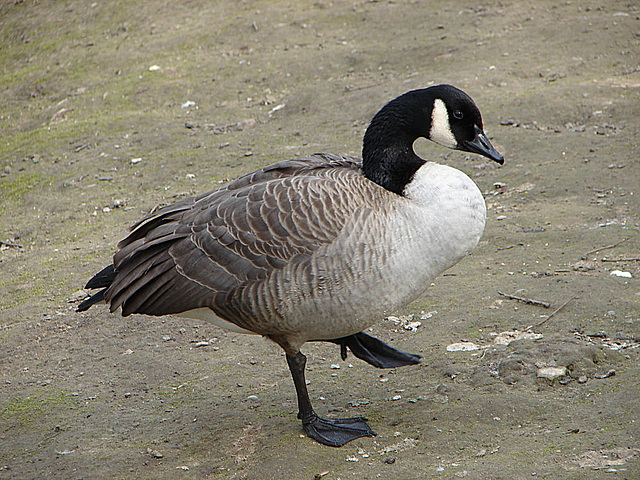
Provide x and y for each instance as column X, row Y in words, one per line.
column 111, row 108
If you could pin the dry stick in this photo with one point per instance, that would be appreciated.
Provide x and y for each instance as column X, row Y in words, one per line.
column 363, row 87
column 550, row 315
column 632, row 259
column 526, row 300
column 584, row 257
column 9, row 244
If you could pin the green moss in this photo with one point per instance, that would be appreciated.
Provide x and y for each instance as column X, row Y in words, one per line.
column 21, row 412
column 17, row 188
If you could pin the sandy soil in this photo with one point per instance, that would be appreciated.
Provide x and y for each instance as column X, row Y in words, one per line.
column 110, row 108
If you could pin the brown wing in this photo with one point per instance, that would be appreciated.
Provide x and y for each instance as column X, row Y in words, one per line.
column 197, row 252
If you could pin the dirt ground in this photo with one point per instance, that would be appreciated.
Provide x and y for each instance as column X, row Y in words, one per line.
column 110, row 108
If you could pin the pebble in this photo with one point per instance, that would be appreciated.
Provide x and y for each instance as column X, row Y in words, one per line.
column 620, row 273
column 154, row 453
column 551, row 373
column 462, row 347
column 610, row 373
column 390, row 460
column 505, row 338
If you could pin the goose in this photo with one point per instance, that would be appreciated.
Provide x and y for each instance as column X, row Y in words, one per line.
column 315, row 248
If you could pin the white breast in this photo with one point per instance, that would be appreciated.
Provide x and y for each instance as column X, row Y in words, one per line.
column 389, row 258
column 382, row 261
column 449, row 209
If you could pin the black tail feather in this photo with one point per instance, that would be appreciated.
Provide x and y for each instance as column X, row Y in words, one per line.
column 103, row 279
column 374, row 351
column 92, row 300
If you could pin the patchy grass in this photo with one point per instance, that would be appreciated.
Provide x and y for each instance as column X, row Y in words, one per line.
column 24, row 412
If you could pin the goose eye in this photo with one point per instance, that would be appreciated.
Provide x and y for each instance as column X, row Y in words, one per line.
column 458, row 114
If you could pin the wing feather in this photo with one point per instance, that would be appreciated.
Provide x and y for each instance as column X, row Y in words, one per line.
column 202, row 250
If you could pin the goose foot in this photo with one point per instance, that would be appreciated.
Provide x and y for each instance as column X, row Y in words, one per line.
column 374, row 351
column 335, row 432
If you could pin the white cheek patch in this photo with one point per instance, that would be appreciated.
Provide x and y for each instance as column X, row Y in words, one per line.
column 440, row 127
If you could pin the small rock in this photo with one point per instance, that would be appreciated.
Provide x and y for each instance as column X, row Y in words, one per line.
column 620, row 273
column 154, row 453
column 610, row 373
column 65, row 452
column 505, row 338
column 582, row 379
column 188, row 104
column 276, row 108
column 78, row 295
column 462, row 347
column 154, row 68
column 551, row 373
column 412, row 326
column 390, row 460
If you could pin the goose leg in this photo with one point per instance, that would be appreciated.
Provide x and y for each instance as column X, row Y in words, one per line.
column 374, row 351
column 333, row 432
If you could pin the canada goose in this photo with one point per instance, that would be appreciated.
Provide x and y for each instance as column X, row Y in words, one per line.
column 317, row 248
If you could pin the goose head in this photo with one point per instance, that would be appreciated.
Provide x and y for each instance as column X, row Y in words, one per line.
column 443, row 114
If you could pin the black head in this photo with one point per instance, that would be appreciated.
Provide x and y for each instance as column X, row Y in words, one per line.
column 443, row 114
column 455, row 122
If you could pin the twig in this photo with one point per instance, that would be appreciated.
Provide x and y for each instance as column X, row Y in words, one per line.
column 526, row 300
column 632, row 259
column 550, row 315
column 596, row 250
column 509, row 246
column 9, row 244
column 363, row 87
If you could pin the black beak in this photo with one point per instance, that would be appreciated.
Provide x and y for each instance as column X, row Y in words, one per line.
column 481, row 145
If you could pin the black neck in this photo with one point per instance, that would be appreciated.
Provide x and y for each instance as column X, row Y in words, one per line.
column 388, row 158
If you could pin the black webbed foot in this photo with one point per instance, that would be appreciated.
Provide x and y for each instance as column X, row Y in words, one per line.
column 328, row 431
column 374, row 351
column 335, row 432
